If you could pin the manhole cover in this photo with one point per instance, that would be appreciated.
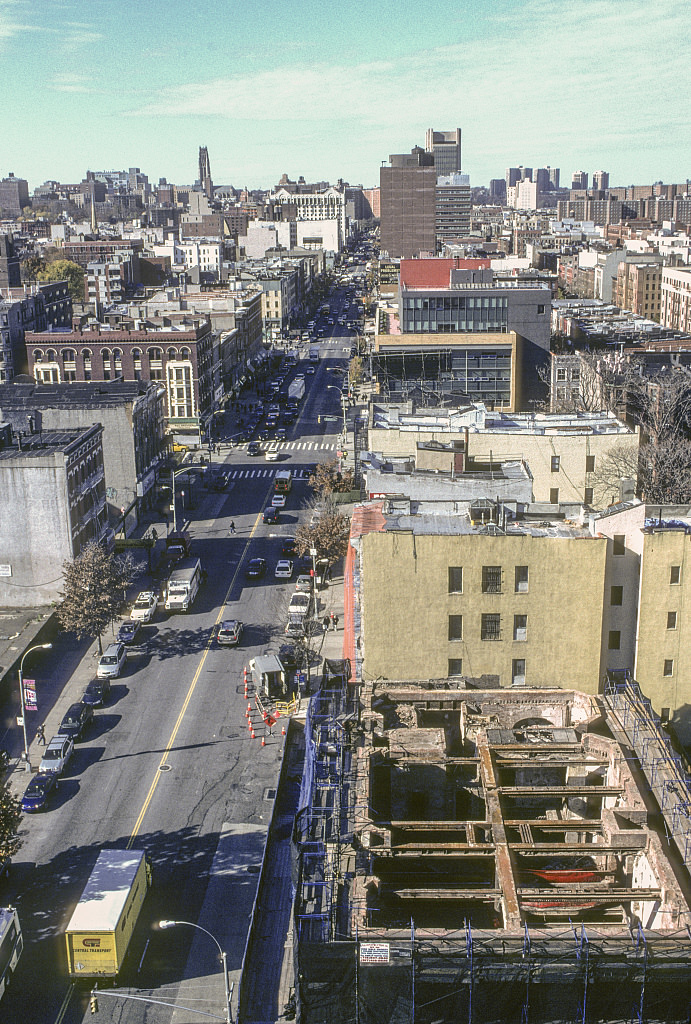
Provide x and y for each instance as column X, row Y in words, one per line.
column 269, row 794
column 165, row 767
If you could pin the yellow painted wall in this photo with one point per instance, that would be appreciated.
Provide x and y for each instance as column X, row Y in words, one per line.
column 406, row 607
column 656, row 642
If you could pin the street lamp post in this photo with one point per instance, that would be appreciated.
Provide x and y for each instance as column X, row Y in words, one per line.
column 38, row 647
column 190, row 924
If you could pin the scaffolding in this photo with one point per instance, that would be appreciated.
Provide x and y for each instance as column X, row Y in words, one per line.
column 322, row 822
column 662, row 767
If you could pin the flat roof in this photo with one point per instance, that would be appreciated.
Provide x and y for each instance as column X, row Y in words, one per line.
column 106, row 892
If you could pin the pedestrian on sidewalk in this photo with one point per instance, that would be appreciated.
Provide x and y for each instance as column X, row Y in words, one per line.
column 41, row 735
column 325, row 623
column 232, row 526
column 334, row 620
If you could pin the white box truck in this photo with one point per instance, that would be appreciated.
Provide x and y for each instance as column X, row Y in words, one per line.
column 296, row 389
column 183, row 585
column 11, row 945
column 314, row 353
column 101, row 927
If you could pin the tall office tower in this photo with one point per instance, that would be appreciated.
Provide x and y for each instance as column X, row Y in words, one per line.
column 10, row 274
column 14, row 194
column 601, row 179
column 497, row 190
column 513, row 175
column 452, row 208
column 205, row 173
column 579, row 179
column 553, row 177
column 407, row 196
column 446, row 149
column 541, row 178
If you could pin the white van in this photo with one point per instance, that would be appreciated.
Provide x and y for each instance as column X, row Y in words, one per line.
column 111, row 661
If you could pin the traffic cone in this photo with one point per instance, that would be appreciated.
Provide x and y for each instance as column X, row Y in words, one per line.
column 263, row 741
column 247, row 712
column 283, row 730
column 251, row 734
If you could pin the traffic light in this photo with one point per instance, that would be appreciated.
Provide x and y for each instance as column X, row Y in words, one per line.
column 93, row 1003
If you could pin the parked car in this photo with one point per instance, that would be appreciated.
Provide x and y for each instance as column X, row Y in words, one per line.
column 303, row 583
column 256, row 567
column 309, row 370
column 57, row 754
column 39, row 792
column 97, row 693
column 284, row 569
column 129, row 631
column 290, row 656
column 111, row 662
column 76, row 721
column 229, row 633
column 271, row 515
column 144, row 607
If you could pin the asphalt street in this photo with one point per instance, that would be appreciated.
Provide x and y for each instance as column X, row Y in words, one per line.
column 169, row 766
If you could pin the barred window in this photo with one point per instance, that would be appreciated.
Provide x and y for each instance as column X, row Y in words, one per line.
column 491, row 627
column 491, row 579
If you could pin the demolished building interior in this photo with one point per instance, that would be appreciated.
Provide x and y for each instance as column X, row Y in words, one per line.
column 490, row 855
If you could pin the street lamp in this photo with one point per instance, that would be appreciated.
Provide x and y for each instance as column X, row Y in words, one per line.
column 190, row 924
column 334, row 387
column 38, row 647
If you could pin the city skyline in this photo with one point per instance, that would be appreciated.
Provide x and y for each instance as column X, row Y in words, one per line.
column 271, row 90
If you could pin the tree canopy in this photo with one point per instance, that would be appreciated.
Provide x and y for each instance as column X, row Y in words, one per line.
column 65, row 270
column 10, row 817
column 327, row 478
column 328, row 534
column 95, row 585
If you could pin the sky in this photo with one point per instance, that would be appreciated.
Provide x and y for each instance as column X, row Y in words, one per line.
column 329, row 90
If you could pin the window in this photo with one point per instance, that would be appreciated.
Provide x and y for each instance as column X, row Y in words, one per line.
column 520, row 627
column 455, row 667
column 491, row 627
column 455, row 627
column 674, row 574
column 455, row 579
column 668, row 667
column 671, row 620
column 616, row 595
column 540, row 309
column 619, row 544
column 664, row 714
column 614, row 643
column 491, row 579
column 588, row 495
column 518, row 672
column 554, row 495
column 561, row 373
column 555, row 463
column 590, row 463
column 521, row 579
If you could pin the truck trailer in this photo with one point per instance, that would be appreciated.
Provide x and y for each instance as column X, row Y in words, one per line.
column 296, row 389
column 101, row 927
column 11, row 945
column 183, row 585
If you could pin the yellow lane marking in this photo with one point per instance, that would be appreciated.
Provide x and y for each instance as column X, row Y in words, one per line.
column 188, row 696
column 65, row 1004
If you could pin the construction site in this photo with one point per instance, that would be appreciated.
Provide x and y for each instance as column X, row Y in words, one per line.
column 499, row 855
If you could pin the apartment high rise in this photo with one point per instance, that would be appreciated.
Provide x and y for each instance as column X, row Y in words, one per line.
column 446, row 149
column 408, row 204
column 14, row 194
column 205, row 173
column 601, row 179
column 553, row 177
column 452, row 207
column 579, row 179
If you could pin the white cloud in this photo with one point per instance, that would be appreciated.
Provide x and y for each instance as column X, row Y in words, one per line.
column 70, row 83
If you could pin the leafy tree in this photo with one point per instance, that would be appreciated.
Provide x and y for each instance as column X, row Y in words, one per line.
column 328, row 534
column 95, row 585
column 327, row 478
column 32, row 266
column 10, row 816
column 66, row 270
column 356, row 371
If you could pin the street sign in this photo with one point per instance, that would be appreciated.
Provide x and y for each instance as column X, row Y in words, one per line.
column 374, row 952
